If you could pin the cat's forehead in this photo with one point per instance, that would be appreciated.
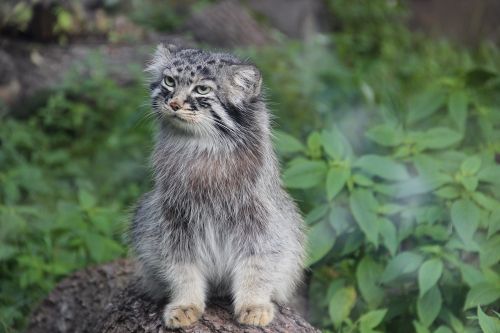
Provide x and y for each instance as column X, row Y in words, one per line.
column 196, row 63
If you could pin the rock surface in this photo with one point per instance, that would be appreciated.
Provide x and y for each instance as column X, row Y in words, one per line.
column 103, row 299
column 227, row 24
column 38, row 66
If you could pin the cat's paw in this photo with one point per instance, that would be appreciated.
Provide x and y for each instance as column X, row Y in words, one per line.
column 257, row 315
column 181, row 315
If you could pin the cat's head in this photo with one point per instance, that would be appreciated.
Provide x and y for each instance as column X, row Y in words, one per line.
column 205, row 93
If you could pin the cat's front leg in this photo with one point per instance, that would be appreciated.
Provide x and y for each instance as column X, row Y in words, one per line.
column 252, row 288
column 187, row 296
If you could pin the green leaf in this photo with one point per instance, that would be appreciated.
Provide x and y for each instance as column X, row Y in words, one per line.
column 386, row 135
column 314, row 145
column 403, row 263
column 430, row 214
column 494, row 223
column 335, row 144
column 488, row 324
column 305, row 174
column 438, row 138
column 419, row 328
column 452, row 320
column 469, row 182
column 471, row 165
column 363, row 205
column 332, row 144
column 286, row 143
column 341, row 305
column 429, row 305
column 339, row 218
column 334, row 286
column 425, row 104
column 490, row 174
column 414, row 186
column 353, row 242
column 368, row 275
column 372, row 319
column 335, row 180
column 457, row 107
column 316, row 214
column 485, row 201
column 382, row 166
column 390, row 209
column 389, row 234
column 443, row 329
column 321, row 240
column 362, row 180
column 86, row 199
column 64, row 20
column 471, row 275
column 465, row 219
column 448, row 192
column 435, row 232
column 489, row 254
column 481, row 294
column 429, row 274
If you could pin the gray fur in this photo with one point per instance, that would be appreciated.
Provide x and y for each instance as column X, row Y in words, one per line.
column 217, row 221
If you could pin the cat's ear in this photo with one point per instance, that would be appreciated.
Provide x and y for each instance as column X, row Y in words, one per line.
column 247, row 79
column 160, row 59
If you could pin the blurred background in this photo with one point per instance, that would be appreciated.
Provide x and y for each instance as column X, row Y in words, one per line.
column 387, row 125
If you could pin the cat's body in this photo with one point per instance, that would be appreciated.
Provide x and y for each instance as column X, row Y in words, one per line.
column 217, row 221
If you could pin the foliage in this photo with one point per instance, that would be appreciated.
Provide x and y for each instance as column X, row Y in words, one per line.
column 160, row 15
column 418, row 205
column 398, row 177
column 64, row 19
column 67, row 175
column 163, row 15
column 18, row 15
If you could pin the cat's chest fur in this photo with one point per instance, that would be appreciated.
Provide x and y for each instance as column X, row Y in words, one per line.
column 215, row 254
column 199, row 176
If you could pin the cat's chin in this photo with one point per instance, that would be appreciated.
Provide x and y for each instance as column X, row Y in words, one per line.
column 182, row 125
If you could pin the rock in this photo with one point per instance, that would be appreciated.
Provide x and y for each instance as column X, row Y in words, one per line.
column 294, row 18
column 44, row 66
column 226, row 24
column 105, row 299
column 10, row 88
column 464, row 21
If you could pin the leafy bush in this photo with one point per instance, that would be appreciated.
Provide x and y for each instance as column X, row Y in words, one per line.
column 399, row 177
column 67, row 175
column 411, row 226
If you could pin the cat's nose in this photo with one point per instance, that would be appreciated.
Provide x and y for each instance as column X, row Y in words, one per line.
column 174, row 105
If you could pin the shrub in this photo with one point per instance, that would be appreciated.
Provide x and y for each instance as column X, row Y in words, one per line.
column 68, row 174
column 399, row 178
column 405, row 231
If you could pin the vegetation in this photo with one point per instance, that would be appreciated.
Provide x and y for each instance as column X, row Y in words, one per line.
column 398, row 176
column 390, row 143
column 69, row 173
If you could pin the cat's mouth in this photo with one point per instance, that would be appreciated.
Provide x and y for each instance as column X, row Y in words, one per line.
column 184, row 120
column 186, row 117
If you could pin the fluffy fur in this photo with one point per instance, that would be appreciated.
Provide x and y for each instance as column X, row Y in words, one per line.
column 217, row 221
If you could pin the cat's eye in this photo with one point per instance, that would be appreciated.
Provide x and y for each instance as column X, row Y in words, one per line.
column 168, row 81
column 202, row 90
